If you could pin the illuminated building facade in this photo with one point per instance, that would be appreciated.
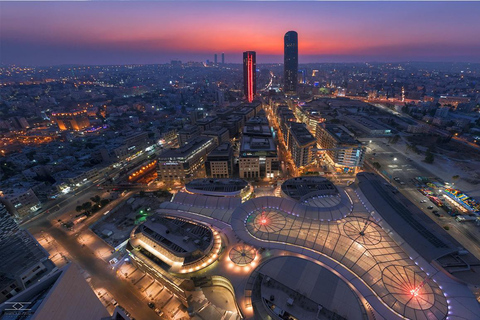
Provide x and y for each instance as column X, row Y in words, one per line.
column 300, row 144
column 75, row 121
column 164, row 246
column 290, row 62
column 142, row 170
column 342, row 151
column 249, row 75
column 186, row 162
column 219, row 162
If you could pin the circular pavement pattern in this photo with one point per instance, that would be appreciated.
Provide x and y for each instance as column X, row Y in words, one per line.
column 408, row 287
column 363, row 231
column 268, row 220
column 242, row 254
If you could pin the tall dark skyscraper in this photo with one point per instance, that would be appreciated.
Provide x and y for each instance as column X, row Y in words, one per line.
column 249, row 75
column 290, row 62
column 223, row 58
column 215, row 58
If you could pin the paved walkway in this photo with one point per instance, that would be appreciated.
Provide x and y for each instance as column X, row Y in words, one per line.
column 384, row 302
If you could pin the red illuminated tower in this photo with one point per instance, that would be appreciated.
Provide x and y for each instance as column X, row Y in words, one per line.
column 249, row 75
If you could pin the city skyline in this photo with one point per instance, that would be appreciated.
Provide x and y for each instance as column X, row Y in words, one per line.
column 157, row 32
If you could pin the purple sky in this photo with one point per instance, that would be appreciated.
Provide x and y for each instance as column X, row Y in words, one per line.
column 46, row 33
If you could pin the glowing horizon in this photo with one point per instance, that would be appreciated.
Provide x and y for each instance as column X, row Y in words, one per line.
column 46, row 33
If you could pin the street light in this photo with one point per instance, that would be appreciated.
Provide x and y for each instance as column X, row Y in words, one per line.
column 394, row 159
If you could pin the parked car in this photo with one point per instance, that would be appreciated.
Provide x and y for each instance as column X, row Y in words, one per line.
column 430, row 207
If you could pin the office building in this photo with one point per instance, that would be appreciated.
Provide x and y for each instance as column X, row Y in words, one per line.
column 206, row 123
column 290, row 62
column 215, row 59
column 249, row 75
column 258, row 157
column 8, row 226
column 223, row 58
column 219, row 162
column 186, row 162
column 341, row 149
column 64, row 294
column 300, row 144
column 218, row 133
column 76, row 121
column 23, row 263
column 20, row 201
column 186, row 133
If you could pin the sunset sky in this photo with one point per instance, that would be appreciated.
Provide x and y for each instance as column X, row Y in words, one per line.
column 49, row 33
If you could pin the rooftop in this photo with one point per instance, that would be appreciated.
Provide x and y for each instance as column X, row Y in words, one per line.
column 216, row 185
column 300, row 132
column 424, row 235
column 254, row 144
column 340, row 133
column 186, row 150
column 19, row 252
column 296, row 188
column 171, row 233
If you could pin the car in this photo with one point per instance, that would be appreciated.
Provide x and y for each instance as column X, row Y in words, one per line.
column 430, row 207
column 423, row 201
column 396, row 178
column 402, row 183
column 151, row 305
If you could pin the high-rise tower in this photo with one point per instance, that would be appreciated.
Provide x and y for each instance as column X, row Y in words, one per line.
column 249, row 75
column 290, row 62
column 223, row 58
column 215, row 58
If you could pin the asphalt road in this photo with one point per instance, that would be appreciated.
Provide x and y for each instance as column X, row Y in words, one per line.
column 102, row 276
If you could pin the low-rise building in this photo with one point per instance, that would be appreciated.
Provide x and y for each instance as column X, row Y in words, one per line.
column 218, row 133
column 185, row 162
column 186, row 133
column 76, row 121
column 301, row 144
column 341, row 149
column 207, row 123
column 132, row 145
column 370, row 127
column 219, row 162
column 258, row 158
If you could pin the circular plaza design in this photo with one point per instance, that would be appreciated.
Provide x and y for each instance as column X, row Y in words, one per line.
column 267, row 220
column 355, row 244
column 363, row 231
column 242, row 254
column 408, row 287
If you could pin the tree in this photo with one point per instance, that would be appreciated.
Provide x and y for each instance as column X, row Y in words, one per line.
column 104, row 202
column 376, row 165
column 79, row 208
column 87, row 206
column 96, row 199
column 429, row 158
